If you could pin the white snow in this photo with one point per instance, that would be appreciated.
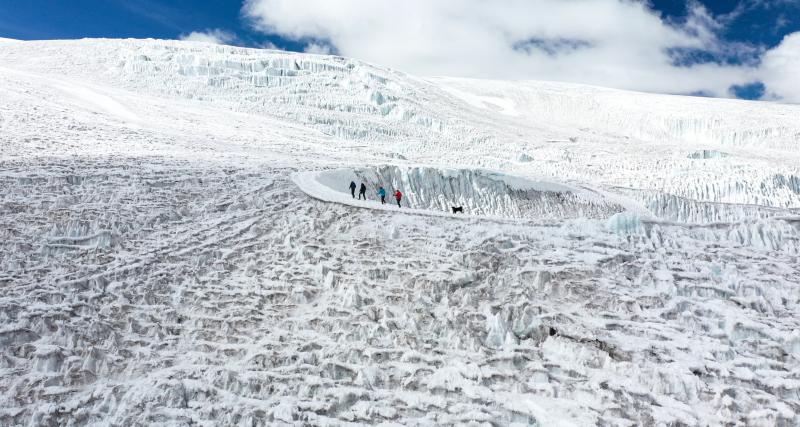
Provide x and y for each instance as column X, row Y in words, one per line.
column 180, row 246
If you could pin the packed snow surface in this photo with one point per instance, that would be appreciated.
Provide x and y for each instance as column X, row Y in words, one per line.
column 180, row 246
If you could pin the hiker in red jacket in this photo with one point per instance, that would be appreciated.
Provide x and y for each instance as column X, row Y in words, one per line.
column 398, row 196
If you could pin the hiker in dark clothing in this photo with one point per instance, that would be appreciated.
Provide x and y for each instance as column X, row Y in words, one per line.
column 382, row 195
column 362, row 192
column 353, row 188
column 398, row 196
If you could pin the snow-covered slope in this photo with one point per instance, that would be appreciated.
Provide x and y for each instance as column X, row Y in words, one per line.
column 178, row 249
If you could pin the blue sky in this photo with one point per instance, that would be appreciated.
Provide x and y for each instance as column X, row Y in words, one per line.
column 756, row 21
column 729, row 35
column 161, row 19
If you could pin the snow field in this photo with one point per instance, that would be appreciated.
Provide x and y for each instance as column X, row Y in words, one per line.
column 252, row 307
column 172, row 269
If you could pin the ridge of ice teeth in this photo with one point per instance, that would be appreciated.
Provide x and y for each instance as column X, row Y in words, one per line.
column 478, row 192
column 623, row 259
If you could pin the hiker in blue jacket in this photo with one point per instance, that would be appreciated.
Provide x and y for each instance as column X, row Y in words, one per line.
column 382, row 195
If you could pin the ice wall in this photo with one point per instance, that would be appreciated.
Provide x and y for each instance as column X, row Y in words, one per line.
column 479, row 192
column 707, row 154
column 341, row 97
column 670, row 207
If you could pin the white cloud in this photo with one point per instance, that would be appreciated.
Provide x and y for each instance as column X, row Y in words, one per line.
column 216, row 36
column 268, row 45
column 616, row 43
column 780, row 70
column 317, row 48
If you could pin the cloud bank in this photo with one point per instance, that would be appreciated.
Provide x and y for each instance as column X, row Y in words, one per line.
column 614, row 43
column 216, row 36
column 780, row 70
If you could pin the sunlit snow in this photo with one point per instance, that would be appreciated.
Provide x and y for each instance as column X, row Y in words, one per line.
column 180, row 246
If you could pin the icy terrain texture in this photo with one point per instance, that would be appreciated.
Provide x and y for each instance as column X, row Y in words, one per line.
column 477, row 192
column 177, row 249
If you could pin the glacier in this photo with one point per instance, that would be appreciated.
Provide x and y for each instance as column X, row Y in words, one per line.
column 180, row 246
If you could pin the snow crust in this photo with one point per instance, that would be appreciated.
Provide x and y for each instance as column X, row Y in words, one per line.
column 179, row 247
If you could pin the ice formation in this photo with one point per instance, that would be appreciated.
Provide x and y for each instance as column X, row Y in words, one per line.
column 180, row 248
column 707, row 154
column 478, row 192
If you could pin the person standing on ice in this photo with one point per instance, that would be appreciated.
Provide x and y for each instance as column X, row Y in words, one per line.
column 398, row 196
column 382, row 195
column 362, row 192
column 353, row 189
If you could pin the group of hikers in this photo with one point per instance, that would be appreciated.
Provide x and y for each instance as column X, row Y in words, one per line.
column 362, row 192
